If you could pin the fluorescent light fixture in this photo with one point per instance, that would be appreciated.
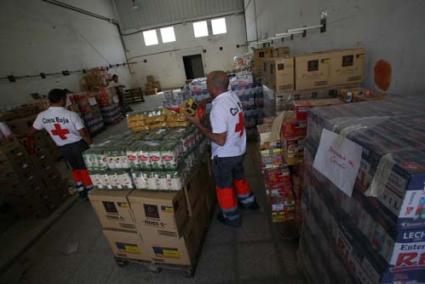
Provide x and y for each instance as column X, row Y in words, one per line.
column 200, row 29
column 150, row 37
column 168, row 35
column 219, row 26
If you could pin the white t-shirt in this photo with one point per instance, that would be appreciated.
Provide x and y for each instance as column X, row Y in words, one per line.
column 227, row 116
column 61, row 124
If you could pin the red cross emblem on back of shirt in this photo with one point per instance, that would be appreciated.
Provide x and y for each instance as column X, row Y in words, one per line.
column 58, row 131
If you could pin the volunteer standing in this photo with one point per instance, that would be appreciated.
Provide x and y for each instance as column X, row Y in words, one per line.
column 67, row 130
column 228, row 143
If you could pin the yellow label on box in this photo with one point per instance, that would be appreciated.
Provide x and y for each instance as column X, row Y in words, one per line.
column 128, row 248
column 132, row 249
column 167, row 252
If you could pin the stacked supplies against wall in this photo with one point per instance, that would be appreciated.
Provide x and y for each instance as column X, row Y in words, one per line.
column 152, row 86
column 30, row 182
column 373, row 225
column 109, row 104
column 277, row 179
column 89, row 111
column 251, row 96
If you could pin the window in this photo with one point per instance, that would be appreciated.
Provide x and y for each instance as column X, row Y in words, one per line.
column 168, row 35
column 219, row 26
column 150, row 37
column 200, row 29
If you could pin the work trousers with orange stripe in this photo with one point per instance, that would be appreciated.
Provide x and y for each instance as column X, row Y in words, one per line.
column 231, row 185
column 73, row 154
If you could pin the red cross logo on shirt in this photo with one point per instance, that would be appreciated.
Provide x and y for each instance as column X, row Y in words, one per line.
column 240, row 126
column 58, row 131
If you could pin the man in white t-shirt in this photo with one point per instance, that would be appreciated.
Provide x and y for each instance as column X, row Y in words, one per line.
column 67, row 130
column 228, row 143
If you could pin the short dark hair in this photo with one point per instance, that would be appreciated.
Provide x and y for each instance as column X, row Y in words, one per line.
column 56, row 95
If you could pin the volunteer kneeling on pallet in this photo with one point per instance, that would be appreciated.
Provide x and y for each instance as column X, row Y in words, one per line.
column 69, row 133
column 228, row 141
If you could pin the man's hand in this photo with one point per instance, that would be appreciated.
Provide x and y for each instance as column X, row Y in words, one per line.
column 193, row 119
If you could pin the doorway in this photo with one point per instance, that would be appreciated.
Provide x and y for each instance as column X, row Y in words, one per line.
column 193, row 66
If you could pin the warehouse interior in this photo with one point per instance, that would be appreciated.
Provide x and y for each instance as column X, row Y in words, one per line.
column 114, row 160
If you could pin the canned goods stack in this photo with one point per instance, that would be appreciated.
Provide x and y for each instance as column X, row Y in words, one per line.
column 251, row 96
column 277, row 178
column 158, row 159
column 109, row 105
column 90, row 111
column 378, row 218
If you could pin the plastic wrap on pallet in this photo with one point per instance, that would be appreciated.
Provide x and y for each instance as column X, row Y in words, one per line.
column 382, row 222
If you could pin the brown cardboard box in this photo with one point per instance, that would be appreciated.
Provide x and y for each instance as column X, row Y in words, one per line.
column 199, row 219
column 347, row 67
column 280, row 51
column 279, row 73
column 258, row 59
column 312, row 70
column 197, row 186
column 21, row 126
column 161, row 210
column 113, row 209
column 126, row 244
column 181, row 251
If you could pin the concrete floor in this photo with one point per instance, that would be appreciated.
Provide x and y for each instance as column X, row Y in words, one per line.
column 74, row 249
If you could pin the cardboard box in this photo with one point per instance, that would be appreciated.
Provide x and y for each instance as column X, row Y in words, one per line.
column 280, row 51
column 113, row 209
column 181, row 251
column 199, row 220
column 159, row 210
column 126, row 244
column 197, row 186
column 258, row 59
column 347, row 67
column 279, row 73
column 21, row 126
column 312, row 70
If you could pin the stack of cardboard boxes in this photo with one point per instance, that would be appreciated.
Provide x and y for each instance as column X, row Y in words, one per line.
column 152, row 86
column 312, row 76
column 157, row 227
column 31, row 185
column 262, row 54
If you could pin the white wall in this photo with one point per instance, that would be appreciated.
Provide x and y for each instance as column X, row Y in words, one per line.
column 165, row 61
column 389, row 29
column 39, row 37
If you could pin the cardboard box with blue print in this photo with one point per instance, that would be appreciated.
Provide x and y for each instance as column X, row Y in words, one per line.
column 126, row 244
column 159, row 210
column 113, row 209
